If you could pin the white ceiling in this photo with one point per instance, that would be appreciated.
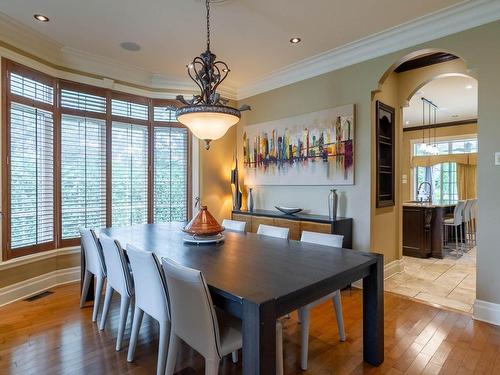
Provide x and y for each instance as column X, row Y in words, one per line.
column 455, row 96
column 252, row 36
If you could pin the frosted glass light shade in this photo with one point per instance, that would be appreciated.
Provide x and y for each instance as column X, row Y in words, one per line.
column 208, row 122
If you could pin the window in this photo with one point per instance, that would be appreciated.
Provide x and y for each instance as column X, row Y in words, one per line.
column 83, row 174
column 170, row 174
column 443, row 178
column 130, row 174
column 76, row 155
column 31, row 176
column 446, row 147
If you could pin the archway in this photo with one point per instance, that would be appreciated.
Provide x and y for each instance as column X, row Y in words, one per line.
column 396, row 87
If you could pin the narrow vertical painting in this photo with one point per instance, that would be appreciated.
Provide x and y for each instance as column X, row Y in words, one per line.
column 311, row 149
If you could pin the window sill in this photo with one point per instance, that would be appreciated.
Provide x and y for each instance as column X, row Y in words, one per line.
column 38, row 256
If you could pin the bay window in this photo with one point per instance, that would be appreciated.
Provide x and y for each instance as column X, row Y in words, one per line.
column 77, row 155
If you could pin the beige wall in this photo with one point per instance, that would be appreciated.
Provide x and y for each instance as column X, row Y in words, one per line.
column 384, row 235
column 215, row 175
column 354, row 84
column 416, row 135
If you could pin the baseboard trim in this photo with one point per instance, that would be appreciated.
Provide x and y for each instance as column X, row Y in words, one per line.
column 35, row 285
column 487, row 312
column 396, row 266
column 390, row 269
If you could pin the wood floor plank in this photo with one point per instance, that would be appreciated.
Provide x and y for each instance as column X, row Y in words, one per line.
column 53, row 335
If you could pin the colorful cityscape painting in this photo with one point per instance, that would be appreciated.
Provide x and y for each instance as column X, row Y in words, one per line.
column 312, row 149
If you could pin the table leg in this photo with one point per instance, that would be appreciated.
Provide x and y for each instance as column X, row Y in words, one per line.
column 373, row 314
column 259, row 338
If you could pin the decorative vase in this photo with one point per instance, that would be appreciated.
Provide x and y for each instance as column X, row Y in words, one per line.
column 203, row 224
column 332, row 204
column 250, row 200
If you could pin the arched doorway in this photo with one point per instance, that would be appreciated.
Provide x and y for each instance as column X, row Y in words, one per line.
column 425, row 269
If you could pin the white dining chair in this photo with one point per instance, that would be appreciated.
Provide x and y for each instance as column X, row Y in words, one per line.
column 210, row 331
column 151, row 298
column 325, row 239
column 455, row 222
column 238, row 226
column 272, row 231
column 94, row 268
column 119, row 280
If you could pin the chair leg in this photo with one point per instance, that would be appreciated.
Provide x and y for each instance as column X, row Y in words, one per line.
column 107, row 302
column 98, row 294
column 173, row 346
column 337, row 304
column 234, row 356
column 304, row 336
column 163, row 348
column 124, row 305
column 85, row 290
column 279, row 348
column 211, row 367
column 456, row 240
column 136, row 326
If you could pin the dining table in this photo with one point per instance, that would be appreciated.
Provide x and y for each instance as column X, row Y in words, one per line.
column 260, row 279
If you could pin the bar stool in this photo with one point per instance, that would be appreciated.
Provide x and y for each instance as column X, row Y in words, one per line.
column 467, row 223
column 456, row 222
column 474, row 211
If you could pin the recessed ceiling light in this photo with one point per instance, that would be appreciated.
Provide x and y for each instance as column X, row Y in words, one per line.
column 41, row 18
column 295, row 40
column 407, row 122
column 468, row 87
column 130, row 46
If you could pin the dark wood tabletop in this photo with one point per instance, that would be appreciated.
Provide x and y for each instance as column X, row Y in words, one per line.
column 260, row 278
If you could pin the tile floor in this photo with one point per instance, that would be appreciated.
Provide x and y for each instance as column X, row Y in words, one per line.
column 448, row 282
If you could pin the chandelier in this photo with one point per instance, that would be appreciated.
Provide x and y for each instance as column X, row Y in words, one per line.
column 429, row 148
column 207, row 114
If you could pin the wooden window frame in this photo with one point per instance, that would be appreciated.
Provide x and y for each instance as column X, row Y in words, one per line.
column 8, row 67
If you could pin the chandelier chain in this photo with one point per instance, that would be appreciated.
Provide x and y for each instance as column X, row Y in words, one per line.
column 208, row 24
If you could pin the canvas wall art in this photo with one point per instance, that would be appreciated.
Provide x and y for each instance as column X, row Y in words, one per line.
column 312, row 149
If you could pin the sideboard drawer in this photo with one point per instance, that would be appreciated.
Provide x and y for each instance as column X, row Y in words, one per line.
column 315, row 227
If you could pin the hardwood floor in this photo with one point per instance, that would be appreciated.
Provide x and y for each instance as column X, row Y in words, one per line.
column 52, row 335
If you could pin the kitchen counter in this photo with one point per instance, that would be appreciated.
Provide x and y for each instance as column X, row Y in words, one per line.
column 429, row 205
column 423, row 228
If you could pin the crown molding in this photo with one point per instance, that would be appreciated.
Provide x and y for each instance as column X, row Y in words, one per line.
column 460, row 17
column 451, row 20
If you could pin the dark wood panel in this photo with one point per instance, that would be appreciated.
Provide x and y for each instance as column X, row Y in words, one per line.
column 423, row 61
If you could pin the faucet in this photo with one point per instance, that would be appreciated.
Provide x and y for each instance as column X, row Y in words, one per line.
column 429, row 200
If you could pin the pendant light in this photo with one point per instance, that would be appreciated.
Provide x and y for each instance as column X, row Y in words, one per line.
column 207, row 115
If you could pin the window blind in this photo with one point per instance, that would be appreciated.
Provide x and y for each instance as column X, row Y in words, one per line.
column 129, row 174
column 128, row 109
column 166, row 114
column 83, row 174
column 31, row 176
column 82, row 101
column 170, row 174
column 31, row 89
